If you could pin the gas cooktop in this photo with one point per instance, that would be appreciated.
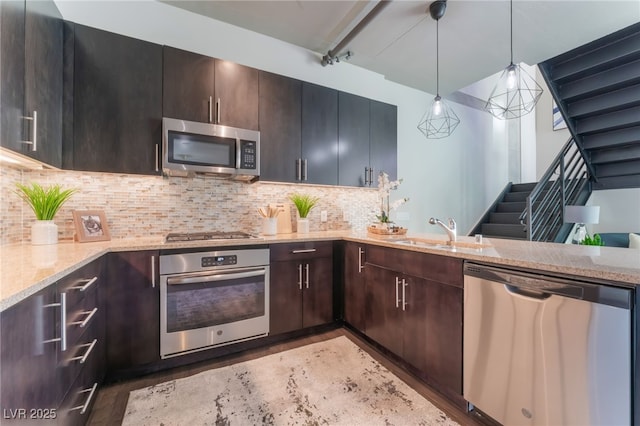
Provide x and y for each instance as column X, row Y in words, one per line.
column 216, row 235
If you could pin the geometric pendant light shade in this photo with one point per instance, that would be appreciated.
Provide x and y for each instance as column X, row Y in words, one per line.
column 516, row 92
column 439, row 121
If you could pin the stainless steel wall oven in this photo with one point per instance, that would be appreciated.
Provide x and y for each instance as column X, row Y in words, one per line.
column 213, row 298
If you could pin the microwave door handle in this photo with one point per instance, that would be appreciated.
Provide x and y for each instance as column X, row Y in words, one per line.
column 238, row 152
column 191, row 279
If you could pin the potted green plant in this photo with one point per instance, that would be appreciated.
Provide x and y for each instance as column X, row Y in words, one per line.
column 596, row 240
column 304, row 203
column 45, row 203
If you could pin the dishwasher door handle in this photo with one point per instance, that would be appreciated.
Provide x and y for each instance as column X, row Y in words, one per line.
column 525, row 292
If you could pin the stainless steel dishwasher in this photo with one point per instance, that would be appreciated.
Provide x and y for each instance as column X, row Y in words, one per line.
column 542, row 350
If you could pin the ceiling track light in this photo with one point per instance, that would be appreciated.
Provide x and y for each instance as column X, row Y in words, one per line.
column 330, row 60
column 439, row 121
column 516, row 93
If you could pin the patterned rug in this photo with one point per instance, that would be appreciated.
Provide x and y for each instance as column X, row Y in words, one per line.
column 327, row 383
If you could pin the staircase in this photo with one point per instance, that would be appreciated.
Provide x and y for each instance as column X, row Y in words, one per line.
column 597, row 89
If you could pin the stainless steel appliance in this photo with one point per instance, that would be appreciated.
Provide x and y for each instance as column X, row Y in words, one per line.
column 213, row 298
column 190, row 147
column 213, row 235
column 541, row 350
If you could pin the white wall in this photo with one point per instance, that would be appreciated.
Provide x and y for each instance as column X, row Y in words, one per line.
column 457, row 176
column 619, row 210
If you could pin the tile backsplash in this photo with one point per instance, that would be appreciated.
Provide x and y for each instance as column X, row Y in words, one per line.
column 137, row 206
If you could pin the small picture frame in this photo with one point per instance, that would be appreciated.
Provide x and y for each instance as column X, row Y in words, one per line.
column 90, row 225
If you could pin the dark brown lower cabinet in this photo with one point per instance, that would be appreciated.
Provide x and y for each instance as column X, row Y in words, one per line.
column 301, row 286
column 354, row 285
column 418, row 318
column 133, row 310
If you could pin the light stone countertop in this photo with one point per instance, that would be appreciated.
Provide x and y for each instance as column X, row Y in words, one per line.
column 26, row 269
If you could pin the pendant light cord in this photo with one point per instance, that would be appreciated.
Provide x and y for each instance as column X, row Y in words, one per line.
column 437, row 58
column 511, row 26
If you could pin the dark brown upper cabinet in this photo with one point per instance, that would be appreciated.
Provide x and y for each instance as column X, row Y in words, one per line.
column 367, row 139
column 280, row 127
column 31, row 43
column 116, row 86
column 200, row 88
column 319, row 163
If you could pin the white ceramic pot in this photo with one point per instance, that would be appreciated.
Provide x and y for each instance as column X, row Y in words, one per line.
column 44, row 232
column 303, row 226
column 270, row 226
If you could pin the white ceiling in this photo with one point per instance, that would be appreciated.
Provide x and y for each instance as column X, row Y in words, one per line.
column 400, row 42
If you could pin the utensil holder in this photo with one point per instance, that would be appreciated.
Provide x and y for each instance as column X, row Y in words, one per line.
column 270, row 226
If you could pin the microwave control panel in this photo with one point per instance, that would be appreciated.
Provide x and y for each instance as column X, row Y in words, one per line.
column 248, row 154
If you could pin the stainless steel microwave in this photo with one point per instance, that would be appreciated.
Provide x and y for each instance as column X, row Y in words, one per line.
column 190, row 147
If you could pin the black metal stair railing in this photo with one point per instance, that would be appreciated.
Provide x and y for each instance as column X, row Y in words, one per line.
column 566, row 182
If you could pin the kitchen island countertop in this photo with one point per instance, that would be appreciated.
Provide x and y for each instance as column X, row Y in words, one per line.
column 25, row 269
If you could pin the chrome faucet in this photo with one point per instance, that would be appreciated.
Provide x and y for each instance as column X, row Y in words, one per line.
column 451, row 229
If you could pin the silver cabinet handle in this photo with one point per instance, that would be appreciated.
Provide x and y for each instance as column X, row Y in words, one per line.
column 83, row 408
column 370, row 176
column 84, row 323
column 303, row 251
column 157, row 158
column 304, row 170
column 306, row 267
column 88, row 283
column 34, row 131
column 84, row 357
column 397, row 291
column 153, row 272
column 366, row 176
column 63, row 322
column 210, row 108
column 360, row 265
column 218, row 108
column 299, row 169
column 300, row 276
column 404, row 294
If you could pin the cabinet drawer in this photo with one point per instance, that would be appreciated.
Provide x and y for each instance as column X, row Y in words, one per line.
column 86, row 352
column 77, row 404
column 300, row 251
column 80, row 283
column 444, row 269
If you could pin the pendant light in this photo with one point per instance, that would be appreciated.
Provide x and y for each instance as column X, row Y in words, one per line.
column 516, row 92
column 439, row 121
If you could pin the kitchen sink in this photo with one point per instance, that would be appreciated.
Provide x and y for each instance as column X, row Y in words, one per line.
column 440, row 244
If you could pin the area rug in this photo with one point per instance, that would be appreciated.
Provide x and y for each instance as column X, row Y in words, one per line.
column 328, row 383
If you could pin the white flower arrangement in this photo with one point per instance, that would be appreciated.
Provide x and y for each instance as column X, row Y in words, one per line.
column 385, row 186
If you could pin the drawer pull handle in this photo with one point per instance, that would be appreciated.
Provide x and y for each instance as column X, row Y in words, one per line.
column 84, row 357
column 90, row 315
column 88, row 283
column 303, row 251
column 83, row 408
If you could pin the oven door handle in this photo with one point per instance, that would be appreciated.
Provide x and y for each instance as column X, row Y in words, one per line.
column 208, row 277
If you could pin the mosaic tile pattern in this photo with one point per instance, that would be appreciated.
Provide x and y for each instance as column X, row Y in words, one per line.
column 139, row 206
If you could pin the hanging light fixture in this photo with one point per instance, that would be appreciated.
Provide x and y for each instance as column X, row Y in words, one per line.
column 439, row 121
column 516, row 92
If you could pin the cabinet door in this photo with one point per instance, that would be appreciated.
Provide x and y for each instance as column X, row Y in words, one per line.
column 354, row 286
column 443, row 354
column 12, row 75
column 317, row 298
column 236, row 92
column 43, row 78
column 187, row 85
column 285, row 297
column 414, row 329
column 280, row 127
column 28, row 373
column 117, row 103
column 384, row 313
column 383, row 144
column 133, row 310
column 353, row 139
column 319, row 134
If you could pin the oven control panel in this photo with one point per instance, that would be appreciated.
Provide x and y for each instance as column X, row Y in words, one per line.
column 219, row 260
